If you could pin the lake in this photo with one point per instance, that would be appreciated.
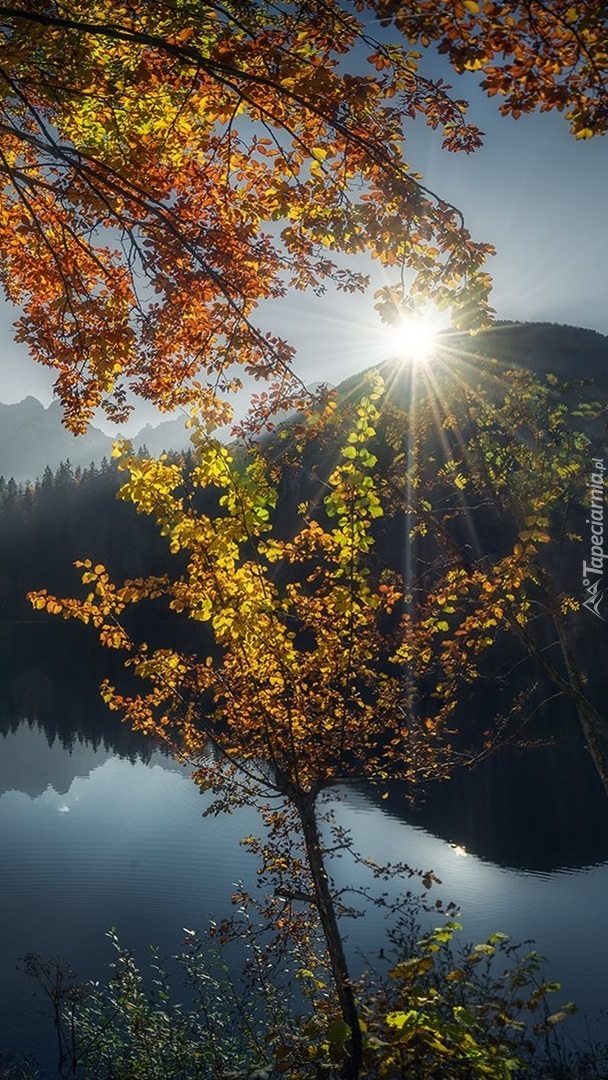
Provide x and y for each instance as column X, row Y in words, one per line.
column 97, row 830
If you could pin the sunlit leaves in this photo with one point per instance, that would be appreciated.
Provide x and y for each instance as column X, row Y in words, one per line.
column 167, row 168
column 300, row 676
column 477, row 1033
column 321, row 662
column 533, row 56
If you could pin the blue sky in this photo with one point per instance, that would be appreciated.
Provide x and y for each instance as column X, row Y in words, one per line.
column 533, row 191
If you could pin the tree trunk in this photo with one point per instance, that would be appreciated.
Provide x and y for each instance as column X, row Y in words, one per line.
column 324, row 901
column 589, row 720
column 573, row 688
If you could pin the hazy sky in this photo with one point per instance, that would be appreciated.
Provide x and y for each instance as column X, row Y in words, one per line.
column 533, row 191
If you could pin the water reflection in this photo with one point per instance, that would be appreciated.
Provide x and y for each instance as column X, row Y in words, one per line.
column 30, row 762
column 123, row 846
column 126, row 846
column 562, row 913
column 539, row 809
column 98, row 829
column 49, row 675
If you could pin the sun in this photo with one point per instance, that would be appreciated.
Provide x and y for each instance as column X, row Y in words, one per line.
column 414, row 338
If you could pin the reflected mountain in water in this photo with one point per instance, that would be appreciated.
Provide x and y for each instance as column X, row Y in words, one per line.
column 53, row 723
column 539, row 809
column 30, row 763
column 33, row 763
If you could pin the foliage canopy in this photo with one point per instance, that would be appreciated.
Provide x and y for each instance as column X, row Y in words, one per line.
column 167, row 167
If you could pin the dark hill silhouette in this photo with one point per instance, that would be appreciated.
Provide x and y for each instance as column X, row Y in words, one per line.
column 566, row 351
column 544, row 348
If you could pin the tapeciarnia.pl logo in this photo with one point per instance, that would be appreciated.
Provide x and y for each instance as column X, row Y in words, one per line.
column 593, row 571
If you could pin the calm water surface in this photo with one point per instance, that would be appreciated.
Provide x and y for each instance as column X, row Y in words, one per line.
column 90, row 840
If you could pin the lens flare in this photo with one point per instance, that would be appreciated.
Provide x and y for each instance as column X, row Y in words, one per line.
column 414, row 338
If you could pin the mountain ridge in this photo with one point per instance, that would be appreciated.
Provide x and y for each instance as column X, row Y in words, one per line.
column 32, row 436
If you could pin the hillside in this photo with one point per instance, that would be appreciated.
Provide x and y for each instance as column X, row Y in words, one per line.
column 545, row 348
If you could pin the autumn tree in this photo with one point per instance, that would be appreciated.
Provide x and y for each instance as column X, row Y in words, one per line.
column 328, row 661
column 166, row 167
column 533, row 55
column 307, row 682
